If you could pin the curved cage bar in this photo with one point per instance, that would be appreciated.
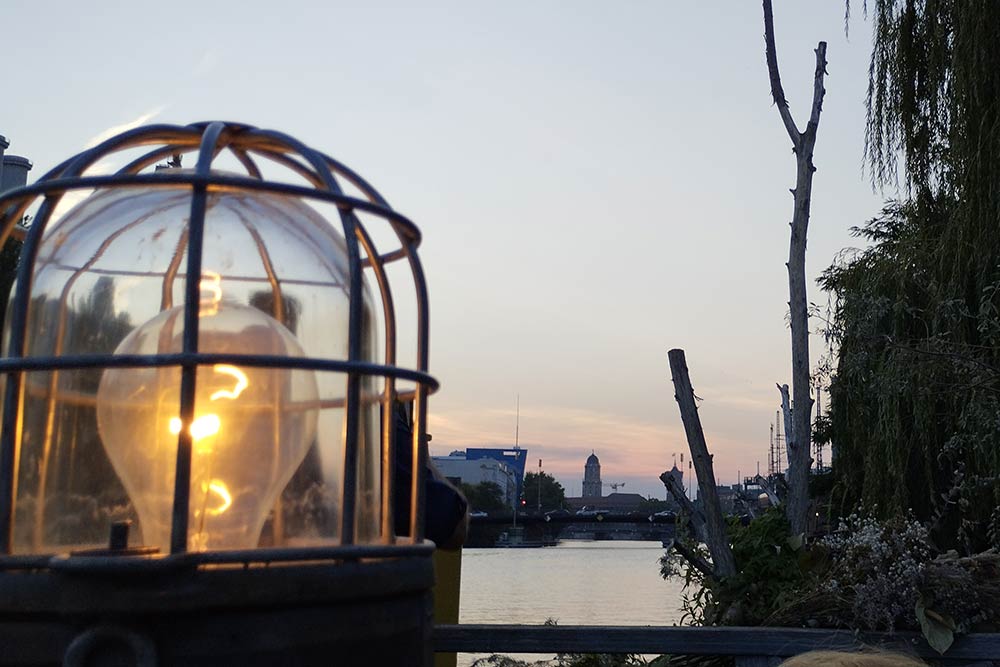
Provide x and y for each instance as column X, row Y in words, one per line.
column 266, row 383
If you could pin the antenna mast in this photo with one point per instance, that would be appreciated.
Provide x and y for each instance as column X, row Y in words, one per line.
column 517, row 420
column 778, row 443
column 770, row 454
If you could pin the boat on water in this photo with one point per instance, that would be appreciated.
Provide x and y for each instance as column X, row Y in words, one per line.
column 514, row 539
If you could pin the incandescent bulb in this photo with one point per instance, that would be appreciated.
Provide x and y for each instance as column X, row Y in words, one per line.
column 252, row 426
column 115, row 263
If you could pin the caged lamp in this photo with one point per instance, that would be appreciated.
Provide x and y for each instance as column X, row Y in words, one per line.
column 200, row 394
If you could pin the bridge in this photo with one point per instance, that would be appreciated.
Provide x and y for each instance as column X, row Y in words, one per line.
column 484, row 531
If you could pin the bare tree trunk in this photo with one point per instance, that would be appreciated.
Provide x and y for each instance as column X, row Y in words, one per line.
column 798, row 438
column 724, row 564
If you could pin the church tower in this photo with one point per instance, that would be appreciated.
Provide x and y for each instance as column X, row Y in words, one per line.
column 592, row 477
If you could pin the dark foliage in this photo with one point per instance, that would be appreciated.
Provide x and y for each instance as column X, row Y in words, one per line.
column 8, row 271
column 772, row 569
column 553, row 496
column 916, row 392
column 485, row 497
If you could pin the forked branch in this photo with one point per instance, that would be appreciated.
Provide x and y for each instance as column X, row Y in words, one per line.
column 777, row 92
column 798, row 406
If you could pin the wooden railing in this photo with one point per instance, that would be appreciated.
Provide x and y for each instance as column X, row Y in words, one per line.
column 752, row 647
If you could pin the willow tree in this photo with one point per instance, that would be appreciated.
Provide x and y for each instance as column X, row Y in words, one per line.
column 915, row 401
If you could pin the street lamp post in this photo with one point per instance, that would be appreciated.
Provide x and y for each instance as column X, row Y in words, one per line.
column 197, row 445
column 539, row 486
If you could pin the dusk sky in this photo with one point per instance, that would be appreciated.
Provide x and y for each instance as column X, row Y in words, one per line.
column 596, row 183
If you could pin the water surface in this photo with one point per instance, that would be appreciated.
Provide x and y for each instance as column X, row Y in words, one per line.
column 575, row 583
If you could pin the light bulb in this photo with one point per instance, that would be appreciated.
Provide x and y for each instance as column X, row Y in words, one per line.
column 113, row 268
column 252, row 426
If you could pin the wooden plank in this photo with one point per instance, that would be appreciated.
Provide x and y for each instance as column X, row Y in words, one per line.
column 737, row 641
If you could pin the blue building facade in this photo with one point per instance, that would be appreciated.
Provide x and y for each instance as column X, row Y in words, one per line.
column 516, row 458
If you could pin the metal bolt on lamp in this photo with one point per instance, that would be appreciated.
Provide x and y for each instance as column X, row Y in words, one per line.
column 199, row 403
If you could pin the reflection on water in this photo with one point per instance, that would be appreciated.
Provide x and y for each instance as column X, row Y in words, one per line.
column 575, row 583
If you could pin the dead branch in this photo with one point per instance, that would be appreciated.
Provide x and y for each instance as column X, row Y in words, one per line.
column 695, row 518
column 786, row 414
column 799, row 436
column 777, row 92
column 715, row 525
column 694, row 558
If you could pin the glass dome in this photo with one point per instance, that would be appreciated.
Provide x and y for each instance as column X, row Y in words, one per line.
column 99, row 445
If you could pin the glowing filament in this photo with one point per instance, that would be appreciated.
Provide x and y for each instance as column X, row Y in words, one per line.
column 210, row 286
column 218, row 487
column 201, row 428
column 208, row 425
column 238, row 375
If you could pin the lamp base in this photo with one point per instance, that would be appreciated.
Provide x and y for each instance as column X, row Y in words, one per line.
column 353, row 613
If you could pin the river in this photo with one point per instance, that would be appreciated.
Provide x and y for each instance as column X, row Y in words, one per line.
column 574, row 583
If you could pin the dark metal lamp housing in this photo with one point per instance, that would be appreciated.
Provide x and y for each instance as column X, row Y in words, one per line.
column 199, row 404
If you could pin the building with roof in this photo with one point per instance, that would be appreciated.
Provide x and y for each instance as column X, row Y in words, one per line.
column 460, row 468
column 514, row 458
column 593, row 495
column 592, row 487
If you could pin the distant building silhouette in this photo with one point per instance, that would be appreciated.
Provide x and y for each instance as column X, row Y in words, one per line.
column 593, row 497
column 592, row 477
column 459, row 468
column 515, row 458
column 727, row 496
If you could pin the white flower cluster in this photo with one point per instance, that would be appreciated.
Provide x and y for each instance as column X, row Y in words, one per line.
column 878, row 566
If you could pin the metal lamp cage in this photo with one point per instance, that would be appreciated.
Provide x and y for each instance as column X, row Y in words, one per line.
column 248, row 145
